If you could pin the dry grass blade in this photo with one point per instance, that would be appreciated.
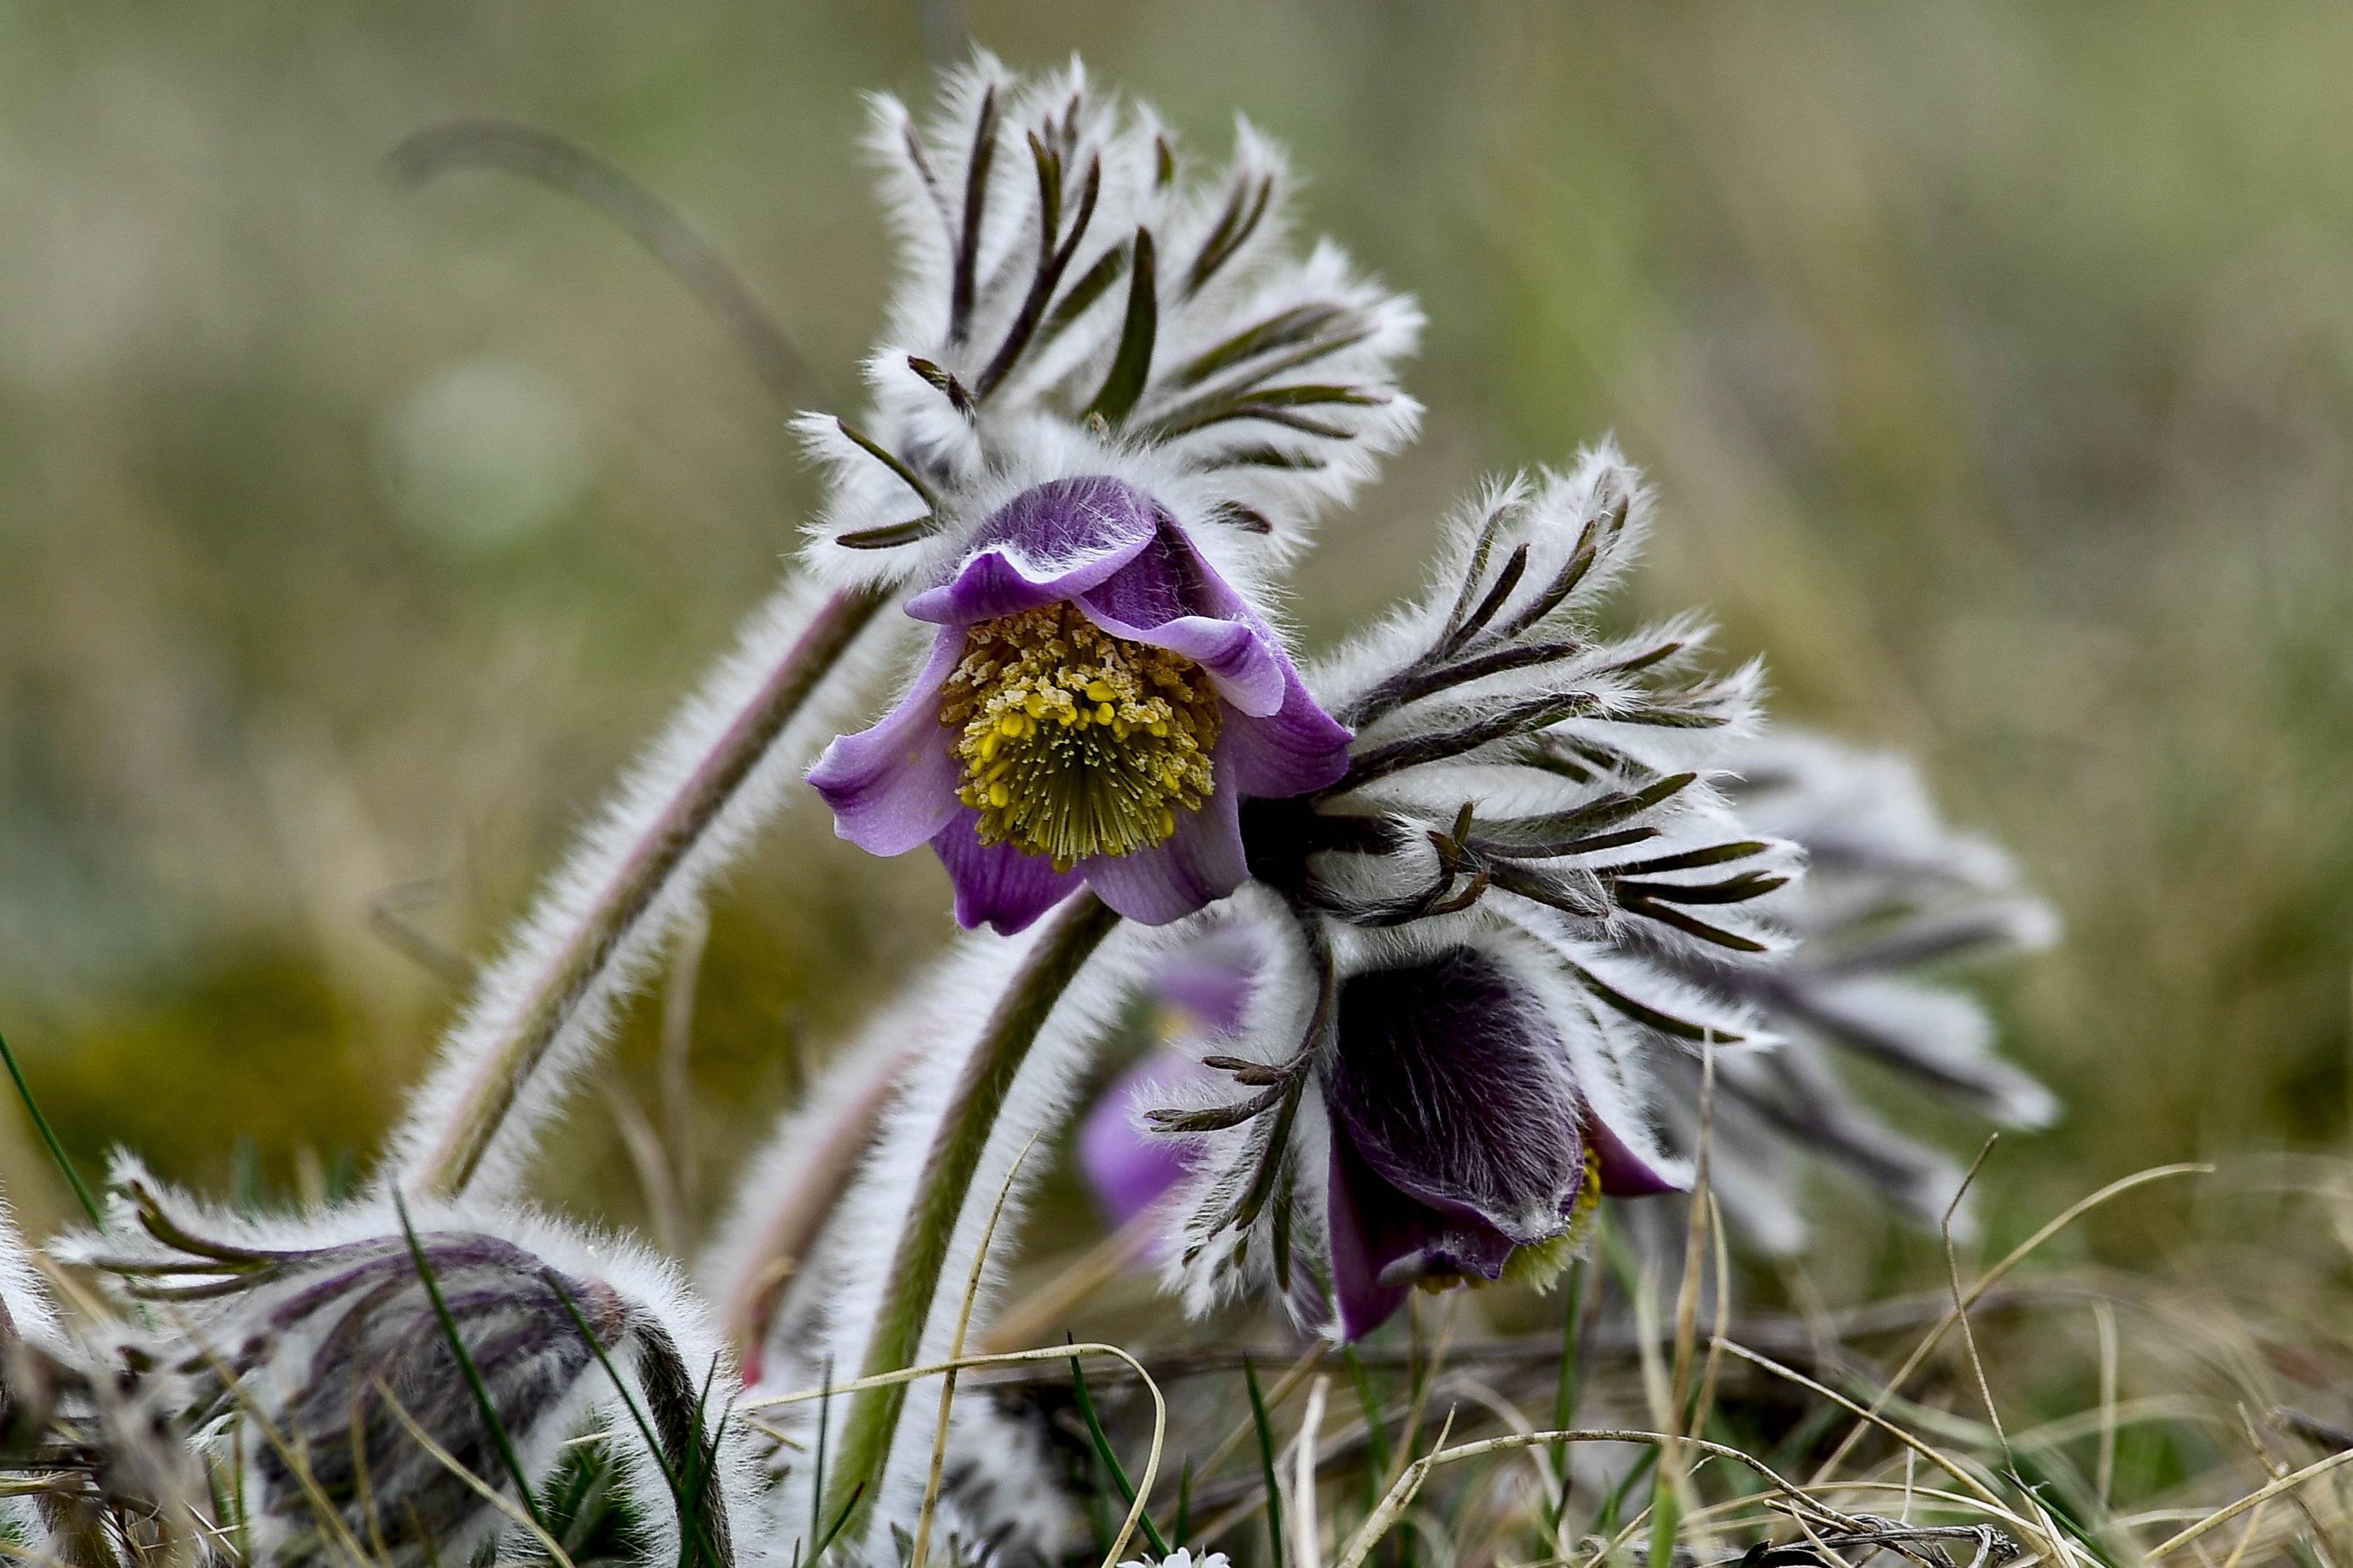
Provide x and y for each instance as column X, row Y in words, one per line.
column 930, row 1510
column 489, row 1493
column 1009, row 1358
column 1961, row 1308
column 2221, row 1516
column 1304, row 1553
column 1987, row 1281
column 1393, row 1504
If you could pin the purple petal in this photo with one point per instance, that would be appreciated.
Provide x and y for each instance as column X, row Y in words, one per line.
column 1050, row 543
column 1365, row 1303
column 1384, row 1241
column 893, row 786
column 1297, row 749
column 1128, row 1168
column 1200, row 863
column 1456, row 1094
column 1624, row 1173
column 1167, row 596
column 997, row 884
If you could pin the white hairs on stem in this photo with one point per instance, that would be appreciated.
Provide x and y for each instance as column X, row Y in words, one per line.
column 837, row 1297
column 684, row 812
column 22, row 1293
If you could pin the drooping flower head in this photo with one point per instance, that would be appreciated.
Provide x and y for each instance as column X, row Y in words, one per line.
column 1117, row 401
column 326, row 1352
column 1455, row 1049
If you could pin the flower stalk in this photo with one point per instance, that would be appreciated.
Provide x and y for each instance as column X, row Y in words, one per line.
column 565, row 994
column 944, row 1189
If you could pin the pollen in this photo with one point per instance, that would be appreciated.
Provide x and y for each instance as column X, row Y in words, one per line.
column 1075, row 742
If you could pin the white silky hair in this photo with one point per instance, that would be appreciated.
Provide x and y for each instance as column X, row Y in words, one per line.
column 23, row 1291
column 1546, row 511
column 622, row 830
column 830, row 1311
column 651, row 1285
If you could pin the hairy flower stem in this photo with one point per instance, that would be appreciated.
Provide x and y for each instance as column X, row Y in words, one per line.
column 943, row 1190
column 557, row 998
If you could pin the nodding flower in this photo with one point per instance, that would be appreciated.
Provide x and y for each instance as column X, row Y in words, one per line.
column 1466, row 1146
column 1097, row 704
column 329, row 1352
column 1456, row 1045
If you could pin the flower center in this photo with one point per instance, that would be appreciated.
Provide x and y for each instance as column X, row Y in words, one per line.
column 1075, row 742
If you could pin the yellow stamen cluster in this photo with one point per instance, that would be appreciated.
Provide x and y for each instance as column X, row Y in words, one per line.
column 1075, row 742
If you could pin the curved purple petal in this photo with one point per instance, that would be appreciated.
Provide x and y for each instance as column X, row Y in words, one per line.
column 1200, row 863
column 1298, row 748
column 1455, row 1094
column 1049, row 543
column 1624, row 1173
column 893, row 786
column 1384, row 1241
column 997, row 884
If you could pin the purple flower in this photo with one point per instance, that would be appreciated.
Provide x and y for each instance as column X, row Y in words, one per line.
column 1461, row 1142
column 1097, row 703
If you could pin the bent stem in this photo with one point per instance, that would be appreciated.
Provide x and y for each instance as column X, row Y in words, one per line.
column 944, row 1189
column 556, row 997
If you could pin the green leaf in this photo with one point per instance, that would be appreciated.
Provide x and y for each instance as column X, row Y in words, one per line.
column 1132, row 366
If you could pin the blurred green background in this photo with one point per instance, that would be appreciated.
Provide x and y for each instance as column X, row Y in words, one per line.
column 1995, row 362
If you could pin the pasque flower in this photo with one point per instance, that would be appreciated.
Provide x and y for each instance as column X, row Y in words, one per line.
column 1456, row 1045
column 1097, row 703
column 1085, row 314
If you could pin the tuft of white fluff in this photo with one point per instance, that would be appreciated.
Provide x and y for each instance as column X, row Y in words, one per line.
column 1224, row 267
column 577, row 905
column 1892, row 893
column 24, row 1295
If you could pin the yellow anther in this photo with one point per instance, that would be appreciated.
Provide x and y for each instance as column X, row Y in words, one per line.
column 1129, row 751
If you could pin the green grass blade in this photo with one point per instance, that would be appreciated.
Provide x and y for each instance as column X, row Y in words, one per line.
column 1183, row 1529
column 1564, row 1389
column 57, row 1149
column 1377, row 1436
column 466, row 1364
column 817, row 1490
column 1266, row 1462
column 1111, row 1461
column 689, row 1521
